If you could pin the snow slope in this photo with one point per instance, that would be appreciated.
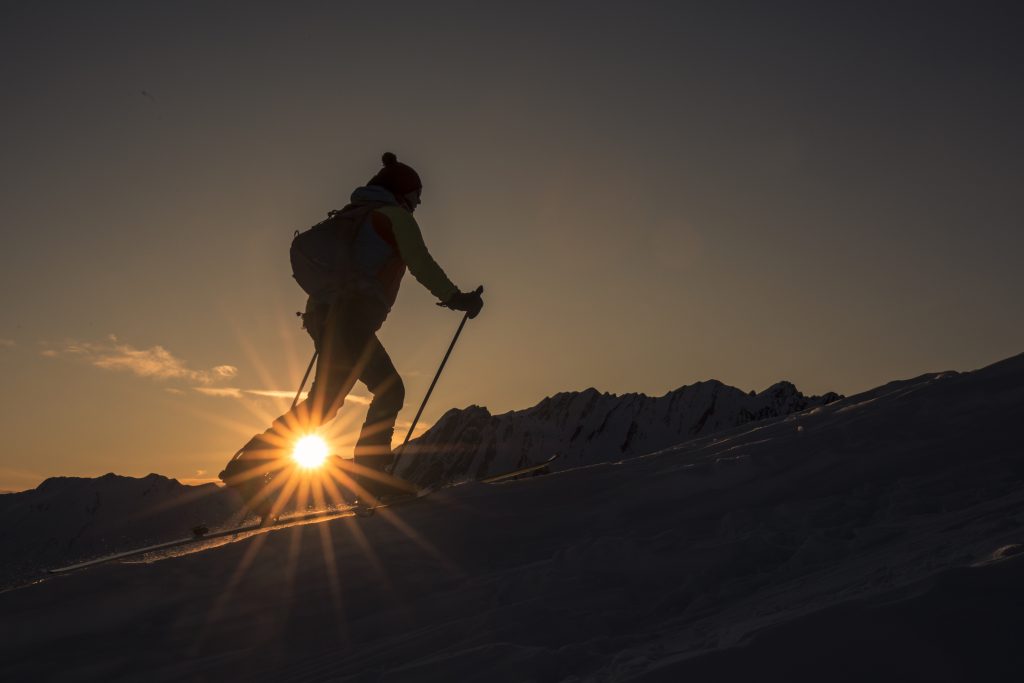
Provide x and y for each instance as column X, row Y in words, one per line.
column 75, row 517
column 588, row 427
column 876, row 537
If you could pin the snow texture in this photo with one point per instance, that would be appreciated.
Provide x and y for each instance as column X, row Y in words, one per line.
column 877, row 537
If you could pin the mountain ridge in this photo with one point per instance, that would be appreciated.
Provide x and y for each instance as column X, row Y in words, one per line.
column 589, row 426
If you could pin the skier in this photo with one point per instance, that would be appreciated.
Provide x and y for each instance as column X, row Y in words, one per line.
column 343, row 328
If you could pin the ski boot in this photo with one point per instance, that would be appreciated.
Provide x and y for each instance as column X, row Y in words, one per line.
column 250, row 471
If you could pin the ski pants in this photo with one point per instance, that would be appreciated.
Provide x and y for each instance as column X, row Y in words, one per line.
column 345, row 336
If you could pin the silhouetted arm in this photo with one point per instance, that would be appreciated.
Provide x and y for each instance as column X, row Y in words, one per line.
column 415, row 254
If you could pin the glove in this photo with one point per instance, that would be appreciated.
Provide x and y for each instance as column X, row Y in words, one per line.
column 470, row 302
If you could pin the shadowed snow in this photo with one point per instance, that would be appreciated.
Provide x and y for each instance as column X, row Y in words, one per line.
column 875, row 534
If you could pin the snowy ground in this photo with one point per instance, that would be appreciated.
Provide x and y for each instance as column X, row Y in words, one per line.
column 66, row 519
column 873, row 538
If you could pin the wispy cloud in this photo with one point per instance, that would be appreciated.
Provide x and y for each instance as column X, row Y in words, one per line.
column 155, row 362
column 403, row 425
column 275, row 393
column 235, row 392
column 224, row 392
column 197, row 481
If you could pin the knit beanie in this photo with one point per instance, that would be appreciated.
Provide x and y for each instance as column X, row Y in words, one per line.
column 397, row 177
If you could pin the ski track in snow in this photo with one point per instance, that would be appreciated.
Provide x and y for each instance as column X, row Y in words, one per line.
column 874, row 537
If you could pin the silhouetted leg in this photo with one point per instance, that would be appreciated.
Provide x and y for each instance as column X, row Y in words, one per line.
column 343, row 336
column 373, row 449
column 348, row 350
column 336, row 368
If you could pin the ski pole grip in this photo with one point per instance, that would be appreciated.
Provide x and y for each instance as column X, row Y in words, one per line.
column 444, row 304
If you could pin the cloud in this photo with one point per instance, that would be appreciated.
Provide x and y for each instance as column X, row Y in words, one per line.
column 235, row 392
column 403, row 426
column 198, row 481
column 226, row 392
column 7, row 343
column 155, row 362
column 275, row 393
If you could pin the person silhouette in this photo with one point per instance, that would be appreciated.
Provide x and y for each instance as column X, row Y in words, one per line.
column 343, row 327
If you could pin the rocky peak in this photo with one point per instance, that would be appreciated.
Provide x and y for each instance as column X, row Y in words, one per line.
column 590, row 426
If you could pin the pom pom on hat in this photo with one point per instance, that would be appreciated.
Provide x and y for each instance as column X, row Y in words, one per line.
column 399, row 178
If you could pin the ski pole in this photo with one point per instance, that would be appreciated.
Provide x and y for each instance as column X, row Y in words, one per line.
column 408, row 436
column 304, row 378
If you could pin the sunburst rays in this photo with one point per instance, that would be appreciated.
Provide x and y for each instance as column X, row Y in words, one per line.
column 287, row 487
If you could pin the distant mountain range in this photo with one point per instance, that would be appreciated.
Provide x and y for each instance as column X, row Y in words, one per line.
column 588, row 427
column 77, row 517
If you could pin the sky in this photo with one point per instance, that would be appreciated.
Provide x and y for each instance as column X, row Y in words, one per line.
column 653, row 194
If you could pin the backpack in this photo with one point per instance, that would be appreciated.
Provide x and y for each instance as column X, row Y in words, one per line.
column 322, row 259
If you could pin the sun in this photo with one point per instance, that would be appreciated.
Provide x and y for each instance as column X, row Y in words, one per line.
column 310, row 452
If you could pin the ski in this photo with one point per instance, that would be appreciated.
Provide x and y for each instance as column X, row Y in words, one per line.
column 196, row 537
column 537, row 468
column 200, row 534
